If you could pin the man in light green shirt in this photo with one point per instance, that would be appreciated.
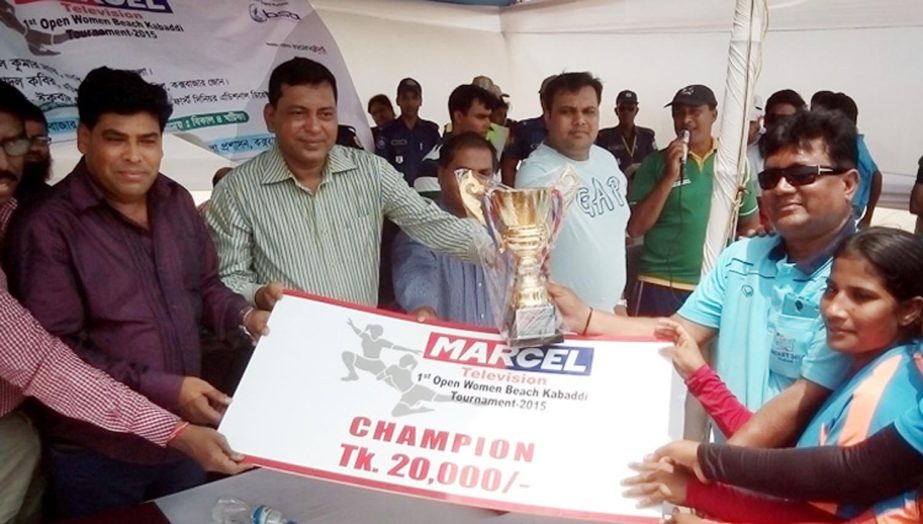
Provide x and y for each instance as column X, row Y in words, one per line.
column 307, row 214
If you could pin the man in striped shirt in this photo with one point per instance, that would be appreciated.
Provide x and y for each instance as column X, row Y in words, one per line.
column 307, row 214
column 33, row 363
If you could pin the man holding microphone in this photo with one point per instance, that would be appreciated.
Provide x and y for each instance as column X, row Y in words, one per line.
column 670, row 199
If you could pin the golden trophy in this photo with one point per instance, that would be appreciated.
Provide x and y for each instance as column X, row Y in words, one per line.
column 523, row 224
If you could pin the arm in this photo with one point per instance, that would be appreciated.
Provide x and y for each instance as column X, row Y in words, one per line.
column 223, row 310
column 781, row 420
column 41, row 366
column 733, row 505
column 650, row 199
column 232, row 232
column 883, row 466
column 425, row 222
column 874, row 195
column 416, row 275
column 722, row 406
column 749, row 220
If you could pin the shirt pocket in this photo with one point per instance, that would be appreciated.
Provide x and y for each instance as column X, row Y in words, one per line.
column 790, row 343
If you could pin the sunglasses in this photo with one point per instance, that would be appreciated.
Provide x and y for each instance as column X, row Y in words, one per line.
column 796, row 175
column 16, row 146
column 626, row 109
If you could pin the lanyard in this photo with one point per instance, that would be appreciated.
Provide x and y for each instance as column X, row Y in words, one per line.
column 634, row 144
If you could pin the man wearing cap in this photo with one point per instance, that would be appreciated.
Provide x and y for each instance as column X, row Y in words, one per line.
column 405, row 141
column 525, row 137
column 630, row 144
column 671, row 198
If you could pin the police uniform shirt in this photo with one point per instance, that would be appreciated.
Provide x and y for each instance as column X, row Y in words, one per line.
column 527, row 135
column 627, row 151
column 405, row 148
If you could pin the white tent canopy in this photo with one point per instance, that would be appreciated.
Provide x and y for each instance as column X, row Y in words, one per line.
column 865, row 48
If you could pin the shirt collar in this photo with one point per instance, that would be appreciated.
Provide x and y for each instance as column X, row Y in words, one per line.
column 814, row 263
column 701, row 159
column 278, row 171
column 85, row 193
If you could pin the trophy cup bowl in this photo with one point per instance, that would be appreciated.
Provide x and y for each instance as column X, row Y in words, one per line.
column 523, row 223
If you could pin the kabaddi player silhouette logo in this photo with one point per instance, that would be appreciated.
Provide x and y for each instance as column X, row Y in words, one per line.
column 399, row 376
column 413, row 395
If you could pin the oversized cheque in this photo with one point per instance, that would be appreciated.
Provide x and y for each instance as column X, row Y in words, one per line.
column 358, row 397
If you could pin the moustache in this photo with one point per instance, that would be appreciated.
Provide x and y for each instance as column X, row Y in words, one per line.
column 9, row 175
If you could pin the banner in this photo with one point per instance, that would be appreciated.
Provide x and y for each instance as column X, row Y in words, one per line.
column 377, row 400
column 214, row 58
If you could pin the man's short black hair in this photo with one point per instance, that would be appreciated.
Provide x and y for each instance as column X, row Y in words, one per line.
column 105, row 90
column 571, row 83
column 380, row 99
column 297, row 72
column 785, row 96
column 833, row 127
column 464, row 96
column 34, row 114
column 13, row 102
column 846, row 105
column 823, row 99
column 468, row 140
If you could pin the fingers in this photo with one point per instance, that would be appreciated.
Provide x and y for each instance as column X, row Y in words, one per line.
column 215, row 396
column 203, row 411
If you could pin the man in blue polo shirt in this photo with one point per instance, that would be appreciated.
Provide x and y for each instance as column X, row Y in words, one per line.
column 405, row 141
column 761, row 300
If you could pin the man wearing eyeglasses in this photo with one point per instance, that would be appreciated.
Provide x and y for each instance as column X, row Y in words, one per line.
column 628, row 143
column 37, row 167
column 762, row 298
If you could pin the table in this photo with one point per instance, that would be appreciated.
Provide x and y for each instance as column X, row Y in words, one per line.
column 307, row 500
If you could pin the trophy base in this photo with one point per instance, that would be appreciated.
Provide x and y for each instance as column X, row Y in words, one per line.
column 534, row 327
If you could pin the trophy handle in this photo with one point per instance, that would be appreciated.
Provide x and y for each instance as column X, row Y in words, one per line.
column 491, row 222
column 558, row 207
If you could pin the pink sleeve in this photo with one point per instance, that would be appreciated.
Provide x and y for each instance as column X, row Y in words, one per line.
column 729, row 504
column 41, row 366
column 728, row 413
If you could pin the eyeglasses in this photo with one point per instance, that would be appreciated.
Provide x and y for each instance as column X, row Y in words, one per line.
column 40, row 140
column 796, row 175
column 16, row 146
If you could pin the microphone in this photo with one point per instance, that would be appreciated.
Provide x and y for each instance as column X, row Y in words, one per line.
column 685, row 146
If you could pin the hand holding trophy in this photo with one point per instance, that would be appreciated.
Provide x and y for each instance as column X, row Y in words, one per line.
column 523, row 224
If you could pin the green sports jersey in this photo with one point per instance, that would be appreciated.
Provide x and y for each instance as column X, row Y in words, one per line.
column 673, row 247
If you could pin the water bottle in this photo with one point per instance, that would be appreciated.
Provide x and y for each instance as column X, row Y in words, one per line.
column 236, row 511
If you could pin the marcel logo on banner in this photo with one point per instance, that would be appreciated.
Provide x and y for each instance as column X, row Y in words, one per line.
column 558, row 359
column 152, row 6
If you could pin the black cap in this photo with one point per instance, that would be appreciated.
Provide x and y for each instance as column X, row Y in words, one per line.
column 694, row 95
column 626, row 97
column 408, row 84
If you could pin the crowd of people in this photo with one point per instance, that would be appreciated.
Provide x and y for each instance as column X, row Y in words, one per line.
column 113, row 281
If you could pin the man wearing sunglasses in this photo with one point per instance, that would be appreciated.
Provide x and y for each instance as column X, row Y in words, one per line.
column 762, row 298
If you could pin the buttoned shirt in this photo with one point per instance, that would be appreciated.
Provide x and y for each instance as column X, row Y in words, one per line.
column 34, row 363
column 525, row 138
column 627, row 151
column 404, row 148
column 128, row 300
column 456, row 290
column 270, row 228
column 767, row 312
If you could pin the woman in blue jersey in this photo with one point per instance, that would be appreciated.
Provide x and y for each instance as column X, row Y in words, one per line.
column 872, row 309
